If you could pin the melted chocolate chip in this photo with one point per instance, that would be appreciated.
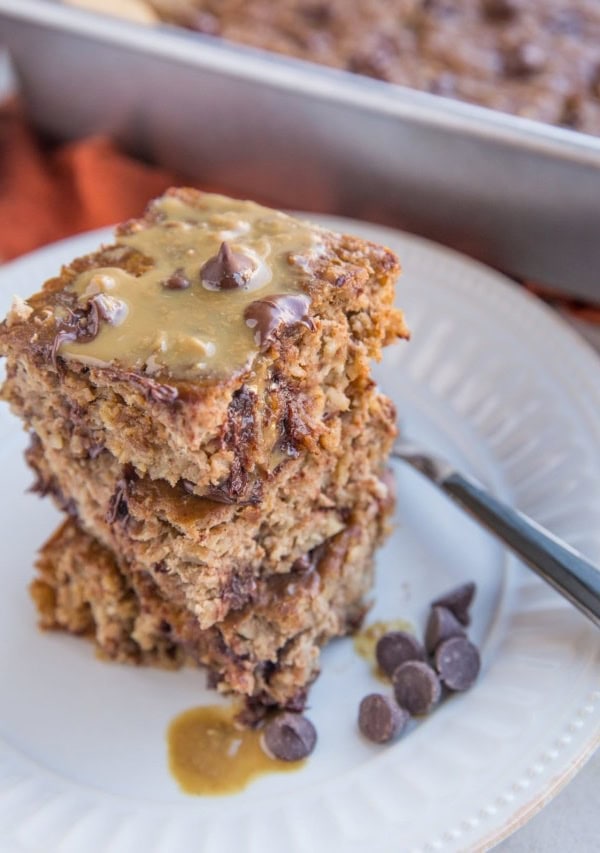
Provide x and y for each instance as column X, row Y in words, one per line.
column 239, row 591
column 150, row 388
column 202, row 22
column 443, row 84
column 380, row 719
column 395, row 648
column 177, row 281
column 500, row 11
column 302, row 565
column 571, row 110
column 523, row 60
column 458, row 663
column 416, row 687
column 377, row 61
column 458, row 601
column 82, row 324
column 118, row 509
column 442, row 625
column 228, row 270
column 595, row 82
column 269, row 316
column 317, row 14
column 289, row 737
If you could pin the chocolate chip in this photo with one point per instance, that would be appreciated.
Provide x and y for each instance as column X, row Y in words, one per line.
column 595, row 82
column 443, row 84
column 416, row 687
column 202, row 22
column 442, row 625
column 227, row 270
column 571, row 110
column 457, row 662
column 289, row 737
column 177, row 281
column 302, row 565
column 380, row 719
column 269, row 316
column 500, row 10
column 523, row 60
column 317, row 14
column 458, row 601
column 395, row 648
column 376, row 62
column 82, row 324
column 150, row 388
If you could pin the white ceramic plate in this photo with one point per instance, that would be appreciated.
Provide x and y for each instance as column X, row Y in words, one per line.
column 505, row 390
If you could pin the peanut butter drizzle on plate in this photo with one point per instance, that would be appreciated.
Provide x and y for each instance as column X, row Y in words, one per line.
column 169, row 319
column 209, row 756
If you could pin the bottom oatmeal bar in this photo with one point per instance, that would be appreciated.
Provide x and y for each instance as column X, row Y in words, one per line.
column 268, row 652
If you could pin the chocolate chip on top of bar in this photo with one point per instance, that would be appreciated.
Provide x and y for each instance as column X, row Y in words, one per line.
column 225, row 280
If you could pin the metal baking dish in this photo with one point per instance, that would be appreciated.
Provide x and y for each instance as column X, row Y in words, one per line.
column 520, row 195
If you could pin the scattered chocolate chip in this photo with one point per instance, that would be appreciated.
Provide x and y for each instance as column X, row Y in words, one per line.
column 458, row 663
column 380, row 719
column 417, row 687
column 395, row 648
column 228, row 270
column 289, row 737
column 523, row 60
column 458, row 601
column 500, row 11
column 177, row 281
column 442, row 625
column 269, row 316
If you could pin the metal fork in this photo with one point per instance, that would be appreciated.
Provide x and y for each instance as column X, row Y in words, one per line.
column 564, row 568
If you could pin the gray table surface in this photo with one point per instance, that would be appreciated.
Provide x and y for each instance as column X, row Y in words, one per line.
column 570, row 823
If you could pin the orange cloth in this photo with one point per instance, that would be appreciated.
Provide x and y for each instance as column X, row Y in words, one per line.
column 52, row 191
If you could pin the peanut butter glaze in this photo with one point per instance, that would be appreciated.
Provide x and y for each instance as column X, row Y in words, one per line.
column 209, row 755
column 158, row 324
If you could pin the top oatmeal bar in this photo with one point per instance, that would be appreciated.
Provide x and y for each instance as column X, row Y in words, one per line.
column 214, row 339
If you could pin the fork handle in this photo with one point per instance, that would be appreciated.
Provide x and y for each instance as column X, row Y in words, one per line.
column 556, row 562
